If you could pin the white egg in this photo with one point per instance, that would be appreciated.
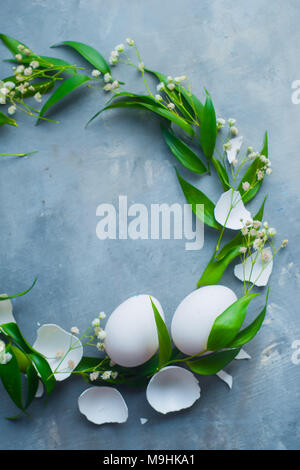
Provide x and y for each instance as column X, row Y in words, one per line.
column 195, row 316
column 131, row 334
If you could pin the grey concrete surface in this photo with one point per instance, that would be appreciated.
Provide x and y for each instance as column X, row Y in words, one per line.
column 247, row 55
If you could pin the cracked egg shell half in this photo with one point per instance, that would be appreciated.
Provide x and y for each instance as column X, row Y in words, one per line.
column 131, row 335
column 195, row 316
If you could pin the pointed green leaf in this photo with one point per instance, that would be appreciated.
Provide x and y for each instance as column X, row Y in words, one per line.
column 194, row 196
column 208, row 132
column 248, row 333
column 7, row 120
column 88, row 53
column 227, row 325
column 155, row 108
column 164, row 340
column 213, row 363
column 182, row 152
column 11, row 378
column 250, row 175
column 215, row 269
column 67, row 86
column 222, row 173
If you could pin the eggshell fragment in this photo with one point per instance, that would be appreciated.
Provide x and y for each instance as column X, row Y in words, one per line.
column 103, row 405
column 237, row 213
column 195, row 316
column 52, row 341
column 131, row 334
column 257, row 273
column 242, row 355
column 227, row 378
column 40, row 390
column 235, row 145
column 173, row 388
column 6, row 309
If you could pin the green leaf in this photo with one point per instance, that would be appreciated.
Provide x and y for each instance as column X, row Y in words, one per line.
column 164, row 340
column 194, row 196
column 88, row 53
column 20, row 294
column 227, row 325
column 248, row 333
column 208, row 132
column 22, row 358
column 67, row 86
column 11, row 378
column 12, row 44
column 250, row 175
column 215, row 269
column 32, row 384
column 155, row 108
column 7, row 120
column 212, row 363
column 222, row 173
column 182, row 152
column 12, row 330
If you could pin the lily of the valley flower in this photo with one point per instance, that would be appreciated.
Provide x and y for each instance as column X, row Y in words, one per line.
column 231, row 202
column 103, row 405
column 257, row 268
column 233, row 147
column 173, row 388
column 62, row 350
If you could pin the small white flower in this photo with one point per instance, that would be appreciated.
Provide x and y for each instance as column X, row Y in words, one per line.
column 4, row 91
column 107, row 87
column 258, row 243
column 19, row 57
column 263, row 158
column 2, row 99
column 96, row 73
column 96, row 322
column 38, row 97
column 94, row 376
column 272, row 231
column 180, row 79
column 253, row 155
column 75, row 330
column 130, row 41
column 100, row 346
column 266, row 225
column 246, row 186
column 107, row 77
column 34, row 64
column 234, row 131
column 114, row 54
column 244, row 230
column 5, row 358
column 20, row 47
column 243, row 249
column 220, row 123
column 160, row 86
column 269, row 171
column 114, row 375
column 141, row 66
column 231, row 122
column 253, row 232
column 284, row 243
column 256, row 223
column 20, row 69
column 158, row 97
column 31, row 88
column 102, row 315
column 2, row 346
column 171, row 106
column 171, row 86
column 19, row 78
column 11, row 110
column 260, row 175
column 106, row 375
column 119, row 48
column 101, row 335
column 113, row 60
column 115, row 84
column 27, row 51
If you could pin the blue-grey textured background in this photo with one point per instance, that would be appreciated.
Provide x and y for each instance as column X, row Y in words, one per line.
column 247, row 55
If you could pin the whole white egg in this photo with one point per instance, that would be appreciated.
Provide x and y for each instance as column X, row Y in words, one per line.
column 195, row 315
column 131, row 334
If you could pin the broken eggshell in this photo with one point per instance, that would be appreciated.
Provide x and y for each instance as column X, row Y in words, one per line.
column 195, row 316
column 235, row 145
column 6, row 311
column 52, row 341
column 253, row 273
column 131, row 334
column 102, row 405
column 238, row 216
column 173, row 388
